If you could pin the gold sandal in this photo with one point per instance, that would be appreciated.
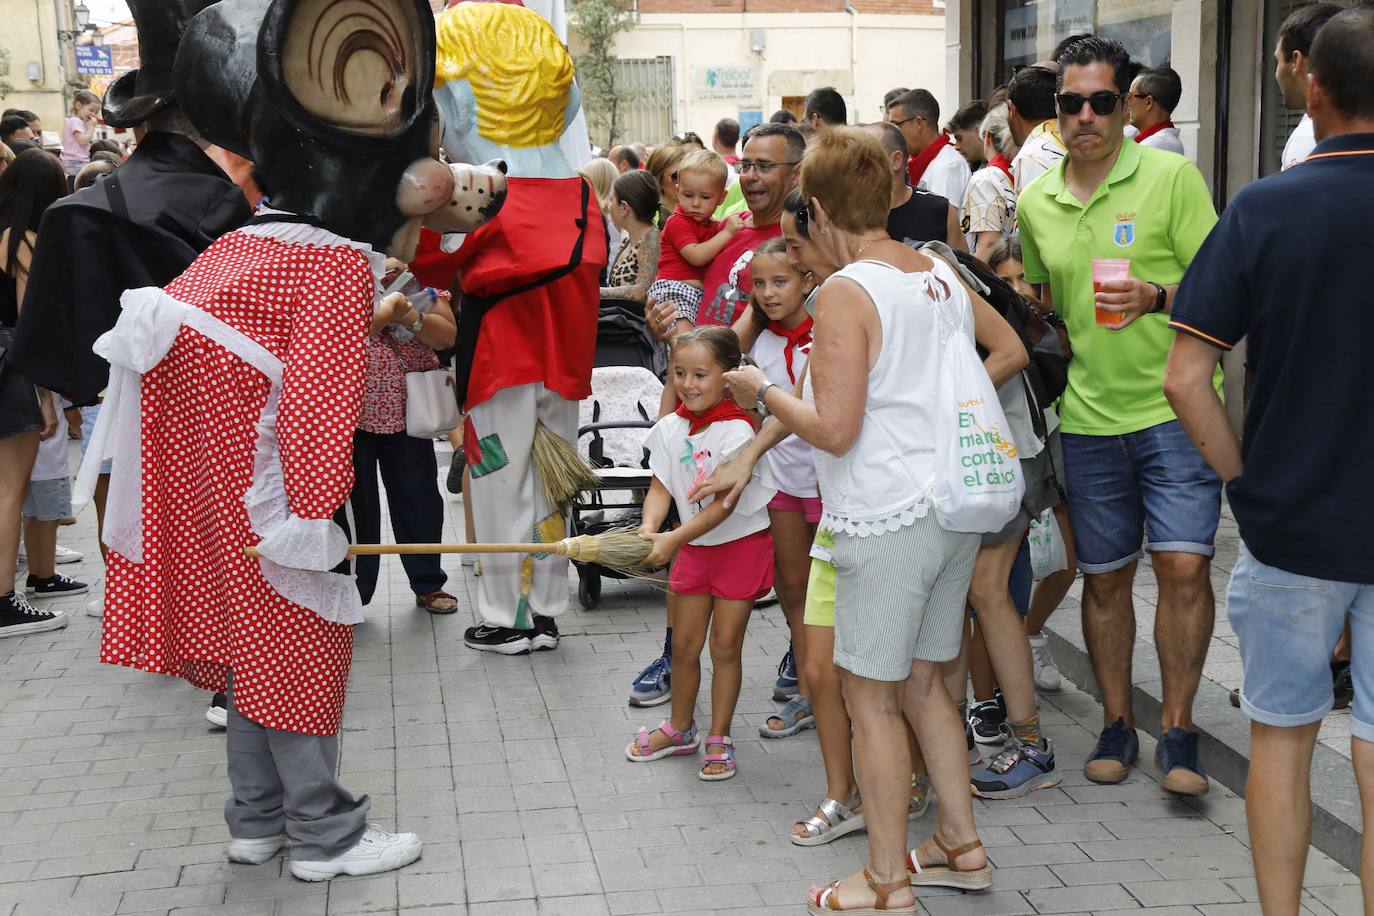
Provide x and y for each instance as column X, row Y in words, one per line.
column 824, row 900
column 947, row 874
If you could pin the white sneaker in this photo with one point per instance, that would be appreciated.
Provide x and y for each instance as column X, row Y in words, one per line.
column 217, row 713
column 254, row 852
column 376, row 852
column 1046, row 674
column 67, row 555
column 96, row 606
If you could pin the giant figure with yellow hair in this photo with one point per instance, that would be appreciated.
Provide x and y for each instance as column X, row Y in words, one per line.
column 530, row 294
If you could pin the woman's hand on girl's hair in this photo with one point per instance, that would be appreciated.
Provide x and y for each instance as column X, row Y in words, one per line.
column 745, row 381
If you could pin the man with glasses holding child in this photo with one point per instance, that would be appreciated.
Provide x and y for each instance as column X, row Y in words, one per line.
column 1108, row 233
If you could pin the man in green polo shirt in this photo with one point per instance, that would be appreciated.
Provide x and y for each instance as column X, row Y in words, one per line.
column 1131, row 471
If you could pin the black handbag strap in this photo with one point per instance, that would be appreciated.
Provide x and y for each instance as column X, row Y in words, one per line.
column 474, row 308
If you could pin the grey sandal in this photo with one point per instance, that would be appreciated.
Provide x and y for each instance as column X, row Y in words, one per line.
column 836, row 820
column 795, row 715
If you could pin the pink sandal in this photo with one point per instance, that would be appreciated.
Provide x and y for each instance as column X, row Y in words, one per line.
column 727, row 758
column 682, row 743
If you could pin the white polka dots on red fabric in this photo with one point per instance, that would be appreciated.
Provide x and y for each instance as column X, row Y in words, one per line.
column 197, row 607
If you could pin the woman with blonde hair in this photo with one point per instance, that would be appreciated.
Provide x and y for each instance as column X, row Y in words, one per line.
column 602, row 173
column 662, row 164
column 900, row 578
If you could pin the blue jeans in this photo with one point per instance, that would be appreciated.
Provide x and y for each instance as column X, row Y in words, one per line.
column 1152, row 484
column 1288, row 624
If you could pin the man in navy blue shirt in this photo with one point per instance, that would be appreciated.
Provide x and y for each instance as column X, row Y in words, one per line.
column 1300, row 487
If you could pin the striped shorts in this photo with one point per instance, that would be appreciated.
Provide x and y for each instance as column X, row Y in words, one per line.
column 900, row 597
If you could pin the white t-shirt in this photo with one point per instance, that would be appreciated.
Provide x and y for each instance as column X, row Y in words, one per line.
column 791, row 460
column 1300, row 144
column 679, row 461
column 989, row 205
column 51, row 462
column 947, row 175
column 1041, row 152
column 1167, row 138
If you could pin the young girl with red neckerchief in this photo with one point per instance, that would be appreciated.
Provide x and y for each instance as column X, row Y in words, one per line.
column 780, row 329
column 722, row 559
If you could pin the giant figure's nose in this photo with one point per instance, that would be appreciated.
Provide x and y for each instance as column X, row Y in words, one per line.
column 425, row 187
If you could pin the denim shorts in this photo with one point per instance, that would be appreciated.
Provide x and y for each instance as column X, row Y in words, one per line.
column 1288, row 625
column 89, row 413
column 48, row 500
column 1151, row 484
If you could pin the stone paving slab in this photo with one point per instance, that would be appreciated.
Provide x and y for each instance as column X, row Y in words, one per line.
column 513, row 772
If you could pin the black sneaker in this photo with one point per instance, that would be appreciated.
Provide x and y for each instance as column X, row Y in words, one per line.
column 1117, row 750
column 18, row 617
column 545, row 634
column 986, row 718
column 454, row 482
column 1177, row 758
column 501, row 640
column 975, row 757
column 218, row 713
column 1342, row 687
column 57, row 586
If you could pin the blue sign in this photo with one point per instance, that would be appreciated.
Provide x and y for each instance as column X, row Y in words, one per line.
column 94, row 61
column 748, row 119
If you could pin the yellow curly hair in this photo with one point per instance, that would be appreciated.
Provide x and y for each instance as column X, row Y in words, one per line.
column 520, row 73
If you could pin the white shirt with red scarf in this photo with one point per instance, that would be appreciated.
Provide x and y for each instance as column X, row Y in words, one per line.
column 791, row 462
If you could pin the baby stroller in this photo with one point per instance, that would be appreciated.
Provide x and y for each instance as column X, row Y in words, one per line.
column 612, row 426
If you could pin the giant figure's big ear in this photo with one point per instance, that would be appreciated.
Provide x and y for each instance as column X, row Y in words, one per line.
column 216, row 70
column 358, row 66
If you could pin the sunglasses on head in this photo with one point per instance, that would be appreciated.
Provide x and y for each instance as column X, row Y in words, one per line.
column 1102, row 102
column 803, row 219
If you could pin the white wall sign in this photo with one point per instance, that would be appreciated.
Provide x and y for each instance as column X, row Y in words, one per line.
column 725, row 84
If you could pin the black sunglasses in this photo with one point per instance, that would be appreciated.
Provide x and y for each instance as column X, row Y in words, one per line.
column 1102, row 102
column 803, row 219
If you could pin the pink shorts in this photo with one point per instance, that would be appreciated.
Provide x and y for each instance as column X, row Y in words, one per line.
column 809, row 506
column 740, row 570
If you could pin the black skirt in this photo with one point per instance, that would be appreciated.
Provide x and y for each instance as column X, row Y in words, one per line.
column 19, row 410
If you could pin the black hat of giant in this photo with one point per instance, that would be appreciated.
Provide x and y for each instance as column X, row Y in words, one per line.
column 139, row 94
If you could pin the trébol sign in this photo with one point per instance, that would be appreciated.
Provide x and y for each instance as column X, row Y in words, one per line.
column 725, row 84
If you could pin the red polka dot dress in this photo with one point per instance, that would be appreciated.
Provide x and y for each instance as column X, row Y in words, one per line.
column 196, row 607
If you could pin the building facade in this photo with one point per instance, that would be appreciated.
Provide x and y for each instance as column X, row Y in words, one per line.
column 688, row 63
column 42, row 62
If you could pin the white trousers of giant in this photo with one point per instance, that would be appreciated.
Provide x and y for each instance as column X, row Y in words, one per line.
column 508, row 504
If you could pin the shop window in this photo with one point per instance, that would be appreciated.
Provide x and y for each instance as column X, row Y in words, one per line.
column 1030, row 30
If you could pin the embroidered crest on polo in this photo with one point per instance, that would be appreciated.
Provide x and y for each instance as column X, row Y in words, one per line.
column 1124, row 232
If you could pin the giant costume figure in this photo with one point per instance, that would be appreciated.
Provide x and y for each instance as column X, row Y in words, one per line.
column 530, row 288
column 235, row 390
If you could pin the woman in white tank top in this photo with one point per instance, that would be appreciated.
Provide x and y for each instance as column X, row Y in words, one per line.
column 900, row 580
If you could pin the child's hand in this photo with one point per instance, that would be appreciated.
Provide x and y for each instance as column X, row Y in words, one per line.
column 665, row 548
column 733, row 223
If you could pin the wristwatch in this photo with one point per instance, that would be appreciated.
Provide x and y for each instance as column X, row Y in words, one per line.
column 1161, row 297
column 763, row 393
column 419, row 322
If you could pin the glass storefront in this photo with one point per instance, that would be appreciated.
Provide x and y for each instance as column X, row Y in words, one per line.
column 1029, row 30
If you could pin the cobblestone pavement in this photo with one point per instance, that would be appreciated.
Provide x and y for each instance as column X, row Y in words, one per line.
column 512, row 771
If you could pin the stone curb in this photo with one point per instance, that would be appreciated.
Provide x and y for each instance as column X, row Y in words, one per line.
column 1225, row 737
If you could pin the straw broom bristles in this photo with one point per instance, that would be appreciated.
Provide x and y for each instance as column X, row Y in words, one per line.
column 617, row 548
column 562, row 472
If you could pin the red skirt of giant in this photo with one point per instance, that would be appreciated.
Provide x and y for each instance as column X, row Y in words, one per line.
column 195, row 606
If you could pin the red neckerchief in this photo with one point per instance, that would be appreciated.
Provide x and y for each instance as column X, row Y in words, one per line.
column 1151, row 131
column 800, row 335
column 1001, row 162
column 725, row 410
column 917, row 164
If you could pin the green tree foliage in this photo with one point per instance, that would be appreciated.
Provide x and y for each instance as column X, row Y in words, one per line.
column 6, row 87
column 598, row 22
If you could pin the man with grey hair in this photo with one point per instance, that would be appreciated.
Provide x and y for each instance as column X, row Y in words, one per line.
column 989, row 205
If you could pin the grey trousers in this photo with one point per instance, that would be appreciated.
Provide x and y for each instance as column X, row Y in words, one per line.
column 284, row 782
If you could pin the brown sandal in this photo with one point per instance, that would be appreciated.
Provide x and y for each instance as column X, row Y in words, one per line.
column 823, row 900
column 947, row 874
column 430, row 602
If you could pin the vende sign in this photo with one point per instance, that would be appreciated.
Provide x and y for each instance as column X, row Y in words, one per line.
column 94, row 61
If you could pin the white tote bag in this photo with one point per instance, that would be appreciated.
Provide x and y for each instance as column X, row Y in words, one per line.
column 431, row 405
column 978, row 483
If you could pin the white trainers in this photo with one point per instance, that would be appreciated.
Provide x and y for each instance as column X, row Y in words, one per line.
column 376, row 852
column 1046, row 674
column 96, row 606
column 254, row 852
column 63, row 555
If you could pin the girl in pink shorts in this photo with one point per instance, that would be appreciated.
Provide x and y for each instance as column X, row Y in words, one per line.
column 724, row 558
column 778, row 317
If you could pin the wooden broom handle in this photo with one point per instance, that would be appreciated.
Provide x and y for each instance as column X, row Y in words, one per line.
column 374, row 550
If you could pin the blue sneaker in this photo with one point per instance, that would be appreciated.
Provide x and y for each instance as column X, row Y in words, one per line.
column 654, row 684
column 1177, row 758
column 1117, row 749
column 786, row 686
column 1019, row 770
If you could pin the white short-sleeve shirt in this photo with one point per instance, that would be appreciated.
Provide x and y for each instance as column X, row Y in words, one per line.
column 680, row 461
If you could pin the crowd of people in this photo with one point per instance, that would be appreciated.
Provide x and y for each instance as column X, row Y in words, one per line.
column 813, row 294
